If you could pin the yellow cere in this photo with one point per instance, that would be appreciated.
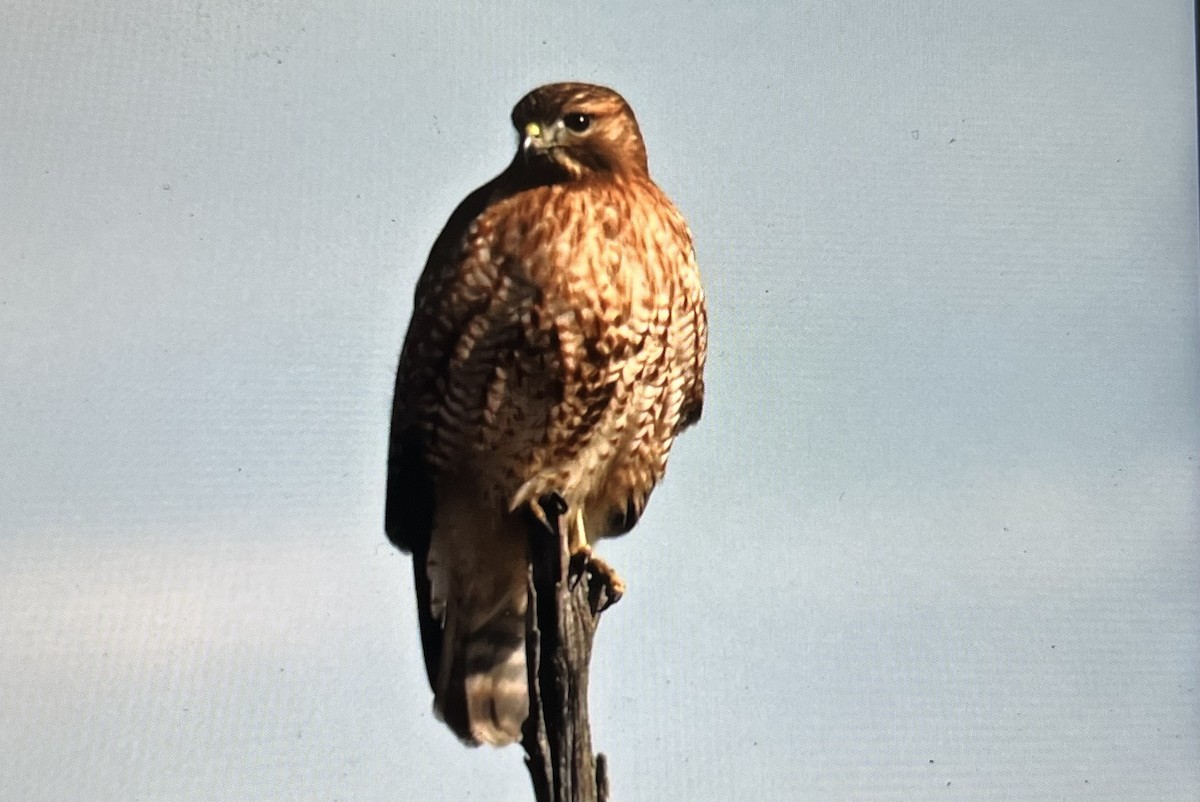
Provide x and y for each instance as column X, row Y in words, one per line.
column 533, row 129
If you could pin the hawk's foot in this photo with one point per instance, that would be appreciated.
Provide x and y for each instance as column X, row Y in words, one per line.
column 605, row 585
column 548, row 511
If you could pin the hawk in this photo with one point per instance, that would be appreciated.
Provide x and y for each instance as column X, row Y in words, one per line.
column 556, row 348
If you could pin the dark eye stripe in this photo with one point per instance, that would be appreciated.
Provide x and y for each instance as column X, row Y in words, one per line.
column 577, row 122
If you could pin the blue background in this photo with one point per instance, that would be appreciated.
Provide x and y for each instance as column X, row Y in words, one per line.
column 937, row 536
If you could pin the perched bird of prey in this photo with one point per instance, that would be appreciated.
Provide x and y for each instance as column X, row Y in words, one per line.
column 556, row 348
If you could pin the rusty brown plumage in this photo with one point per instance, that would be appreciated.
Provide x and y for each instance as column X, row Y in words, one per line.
column 556, row 346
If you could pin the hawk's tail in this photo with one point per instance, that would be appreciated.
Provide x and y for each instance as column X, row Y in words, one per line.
column 482, row 689
column 477, row 660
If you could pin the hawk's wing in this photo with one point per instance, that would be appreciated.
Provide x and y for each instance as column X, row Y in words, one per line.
column 694, row 345
column 419, row 375
column 409, row 504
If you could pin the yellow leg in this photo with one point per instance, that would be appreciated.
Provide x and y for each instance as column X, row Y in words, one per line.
column 581, row 549
column 579, row 540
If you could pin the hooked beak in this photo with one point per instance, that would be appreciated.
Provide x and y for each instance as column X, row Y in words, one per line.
column 534, row 140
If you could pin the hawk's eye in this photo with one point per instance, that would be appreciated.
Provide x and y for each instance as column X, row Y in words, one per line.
column 577, row 122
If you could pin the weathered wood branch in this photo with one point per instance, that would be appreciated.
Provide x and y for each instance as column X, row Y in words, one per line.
column 566, row 598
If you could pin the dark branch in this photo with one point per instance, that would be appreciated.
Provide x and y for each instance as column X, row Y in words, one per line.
column 566, row 598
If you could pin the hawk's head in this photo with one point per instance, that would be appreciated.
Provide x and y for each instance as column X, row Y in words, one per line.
column 575, row 131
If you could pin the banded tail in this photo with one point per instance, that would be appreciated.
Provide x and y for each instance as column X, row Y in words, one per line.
column 474, row 602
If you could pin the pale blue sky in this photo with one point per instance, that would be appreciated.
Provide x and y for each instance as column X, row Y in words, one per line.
column 937, row 536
